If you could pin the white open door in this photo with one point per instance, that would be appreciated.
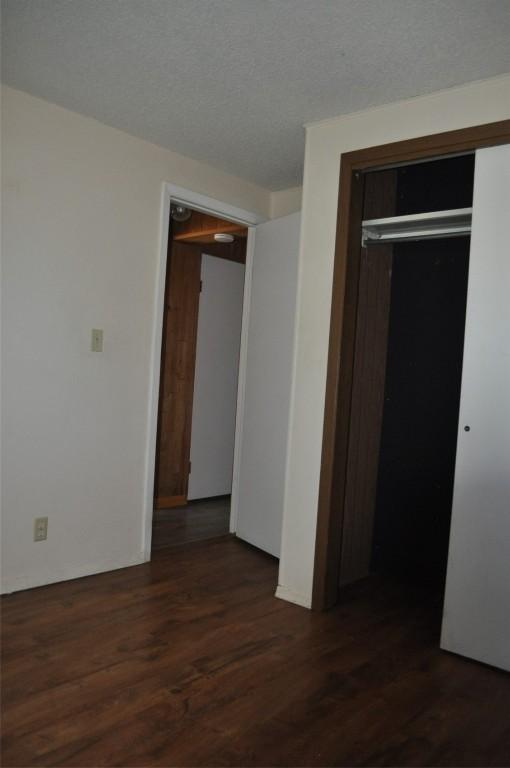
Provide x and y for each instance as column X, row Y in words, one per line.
column 259, row 497
column 476, row 620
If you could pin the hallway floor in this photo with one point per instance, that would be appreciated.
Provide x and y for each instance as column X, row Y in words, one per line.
column 190, row 660
column 197, row 521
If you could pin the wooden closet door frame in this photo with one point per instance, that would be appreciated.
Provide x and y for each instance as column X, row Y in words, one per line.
column 173, row 194
column 343, row 327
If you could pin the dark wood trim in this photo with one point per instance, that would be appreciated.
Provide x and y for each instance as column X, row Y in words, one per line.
column 201, row 228
column 366, row 411
column 167, row 502
column 339, row 377
column 450, row 142
column 343, row 328
column 177, row 369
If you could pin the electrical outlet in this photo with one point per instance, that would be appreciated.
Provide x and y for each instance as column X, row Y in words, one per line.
column 40, row 528
column 96, row 343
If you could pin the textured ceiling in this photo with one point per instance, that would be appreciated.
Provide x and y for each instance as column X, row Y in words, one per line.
column 230, row 82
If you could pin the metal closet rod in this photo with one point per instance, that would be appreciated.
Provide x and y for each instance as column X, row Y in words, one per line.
column 419, row 226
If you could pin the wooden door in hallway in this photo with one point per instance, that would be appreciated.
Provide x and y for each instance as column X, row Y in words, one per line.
column 177, row 374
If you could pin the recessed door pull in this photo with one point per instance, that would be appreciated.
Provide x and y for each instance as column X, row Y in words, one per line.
column 467, row 428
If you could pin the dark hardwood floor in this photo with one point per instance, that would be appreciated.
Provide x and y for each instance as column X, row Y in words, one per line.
column 197, row 521
column 190, row 660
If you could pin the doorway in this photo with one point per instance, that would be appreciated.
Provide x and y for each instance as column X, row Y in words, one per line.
column 340, row 393
column 266, row 345
column 198, row 388
column 407, row 371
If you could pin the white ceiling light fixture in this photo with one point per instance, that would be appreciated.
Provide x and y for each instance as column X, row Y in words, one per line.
column 223, row 237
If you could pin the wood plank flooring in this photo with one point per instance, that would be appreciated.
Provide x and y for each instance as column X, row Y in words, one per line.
column 197, row 521
column 191, row 661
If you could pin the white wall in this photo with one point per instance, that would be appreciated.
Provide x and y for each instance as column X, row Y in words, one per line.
column 476, row 619
column 81, row 208
column 216, row 375
column 286, row 201
column 268, row 383
column 473, row 104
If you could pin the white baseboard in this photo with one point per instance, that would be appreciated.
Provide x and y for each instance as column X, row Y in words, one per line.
column 284, row 593
column 67, row 574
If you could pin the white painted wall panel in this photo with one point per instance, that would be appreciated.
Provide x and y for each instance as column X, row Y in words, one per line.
column 476, row 620
column 80, row 242
column 216, row 373
column 268, row 383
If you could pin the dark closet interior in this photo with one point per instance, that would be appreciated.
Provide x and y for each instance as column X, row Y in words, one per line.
column 406, row 379
column 421, row 405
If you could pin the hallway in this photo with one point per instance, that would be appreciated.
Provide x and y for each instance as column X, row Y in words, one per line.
column 197, row 521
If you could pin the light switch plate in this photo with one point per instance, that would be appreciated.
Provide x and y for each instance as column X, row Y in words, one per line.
column 40, row 528
column 96, row 344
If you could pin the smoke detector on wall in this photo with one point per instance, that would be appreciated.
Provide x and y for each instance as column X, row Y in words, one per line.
column 222, row 237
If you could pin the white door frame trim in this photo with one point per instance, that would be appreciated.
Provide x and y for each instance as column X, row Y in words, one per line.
column 172, row 193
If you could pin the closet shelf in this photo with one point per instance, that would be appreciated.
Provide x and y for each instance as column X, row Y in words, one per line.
column 419, row 226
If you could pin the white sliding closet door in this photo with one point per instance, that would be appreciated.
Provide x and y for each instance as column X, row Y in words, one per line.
column 476, row 620
column 268, row 383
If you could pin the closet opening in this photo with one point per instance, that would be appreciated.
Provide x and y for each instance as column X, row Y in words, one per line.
column 356, row 168
column 406, row 375
column 202, row 318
